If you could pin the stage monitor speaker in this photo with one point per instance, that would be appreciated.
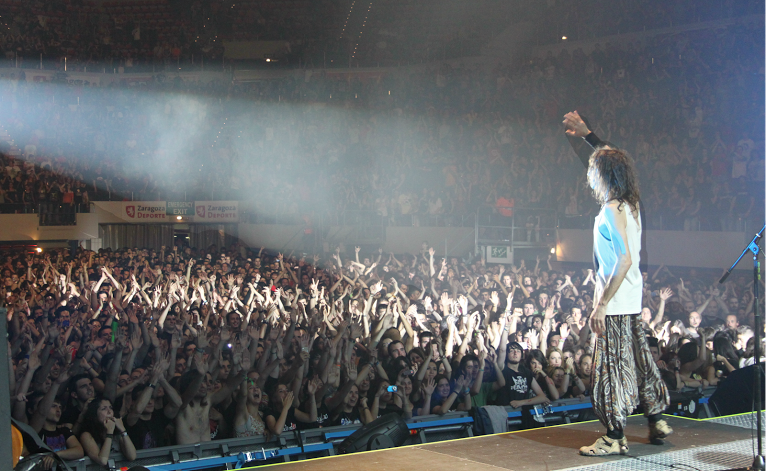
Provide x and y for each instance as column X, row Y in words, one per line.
column 387, row 431
column 734, row 395
column 685, row 404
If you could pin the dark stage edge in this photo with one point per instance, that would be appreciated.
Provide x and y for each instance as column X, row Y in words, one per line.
column 722, row 443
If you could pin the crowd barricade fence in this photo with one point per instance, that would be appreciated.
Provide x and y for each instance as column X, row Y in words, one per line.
column 297, row 445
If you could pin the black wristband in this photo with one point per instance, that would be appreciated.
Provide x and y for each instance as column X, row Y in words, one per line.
column 593, row 140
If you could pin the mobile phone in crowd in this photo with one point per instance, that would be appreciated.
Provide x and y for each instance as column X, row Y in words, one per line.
column 392, row 389
column 524, row 345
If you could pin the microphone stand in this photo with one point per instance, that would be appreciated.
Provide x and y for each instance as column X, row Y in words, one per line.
column 758, row 461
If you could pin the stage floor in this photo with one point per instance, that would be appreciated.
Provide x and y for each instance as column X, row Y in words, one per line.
column 722, row 443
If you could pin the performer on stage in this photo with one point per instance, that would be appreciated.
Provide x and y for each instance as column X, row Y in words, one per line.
column 623, row 372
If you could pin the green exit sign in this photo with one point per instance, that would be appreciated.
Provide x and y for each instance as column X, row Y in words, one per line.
column 180, row 208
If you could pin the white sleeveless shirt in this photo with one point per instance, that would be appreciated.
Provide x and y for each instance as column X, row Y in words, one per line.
column 627, row 299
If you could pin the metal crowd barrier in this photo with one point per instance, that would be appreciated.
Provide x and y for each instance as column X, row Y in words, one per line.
column 234, row 453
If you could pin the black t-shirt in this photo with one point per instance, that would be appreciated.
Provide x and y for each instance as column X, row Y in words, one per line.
column 390, row 408
column 56, row 439
column 290, row 422
column 347, row 418
column 323, row 419
column 150, row 433
column 70, row 414
column 54, row 195
column 517, row 386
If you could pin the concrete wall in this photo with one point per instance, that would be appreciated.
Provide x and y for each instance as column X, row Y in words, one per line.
column 24, row 227
column 673, row 248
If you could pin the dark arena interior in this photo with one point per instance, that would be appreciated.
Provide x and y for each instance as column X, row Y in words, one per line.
column 381, row 234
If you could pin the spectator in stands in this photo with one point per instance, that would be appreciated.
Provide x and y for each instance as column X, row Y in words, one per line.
column 82, row 392
column 284, row 416
column 521, row 387
column 726, row 358
column 584, row 371
column 249, row 421
column 145, row 423
column 482, row 390
column 103, row 432
column 447, row 398
column 537, row 364
column 60, row 439
column 322, row 353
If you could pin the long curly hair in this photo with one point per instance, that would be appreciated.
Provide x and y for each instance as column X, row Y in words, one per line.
column 90, row 422
column 612, row 176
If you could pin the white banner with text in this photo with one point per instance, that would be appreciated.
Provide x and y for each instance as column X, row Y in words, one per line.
column 141, row 212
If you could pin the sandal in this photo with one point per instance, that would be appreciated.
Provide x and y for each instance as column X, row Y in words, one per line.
column 624, row 448
column 658, row 431
column 606, row 446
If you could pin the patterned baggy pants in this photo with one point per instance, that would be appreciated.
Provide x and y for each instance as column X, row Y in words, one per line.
column 624, row 373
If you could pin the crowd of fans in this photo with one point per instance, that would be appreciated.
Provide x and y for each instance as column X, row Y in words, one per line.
column 146, row 34
column 414, row 146
column 134, row 349
column 427, row 30
column 137, row 348
column 141, row 35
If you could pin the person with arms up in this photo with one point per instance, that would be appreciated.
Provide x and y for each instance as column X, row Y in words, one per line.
column 623, row 372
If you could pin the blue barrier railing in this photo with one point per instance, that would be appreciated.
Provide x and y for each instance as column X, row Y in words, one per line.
column 236, row 452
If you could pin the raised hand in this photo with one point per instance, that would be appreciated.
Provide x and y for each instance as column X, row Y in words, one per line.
column 313, row 385
column 175, row 340
column 665, row 294
column 534, row 340
column 351, row 371
column 569, row 365
column 428, row 304
column 428, row 387
column 225, row 334
column 495, row 298
column 574, row 125
column 549, row 313
column 444, row 300
column 288, row 401
column 463, row 303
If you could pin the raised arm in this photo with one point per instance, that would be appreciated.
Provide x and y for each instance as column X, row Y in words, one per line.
column 575, row 127
column 665, row 294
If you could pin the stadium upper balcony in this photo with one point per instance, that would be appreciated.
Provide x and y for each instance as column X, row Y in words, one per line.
column 277, row 20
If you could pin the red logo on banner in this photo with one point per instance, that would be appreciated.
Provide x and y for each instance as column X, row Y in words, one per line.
column 131, row 210
column 201, row 210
